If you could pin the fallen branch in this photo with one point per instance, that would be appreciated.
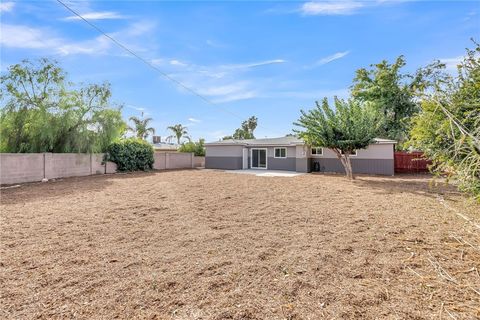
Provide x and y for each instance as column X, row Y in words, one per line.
column 440, row 270
column 10, row 187
column 451, row 315
column 463, row 241
column 463, row 216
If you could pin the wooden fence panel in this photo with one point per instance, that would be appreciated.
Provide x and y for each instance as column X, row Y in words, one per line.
column 411, row 162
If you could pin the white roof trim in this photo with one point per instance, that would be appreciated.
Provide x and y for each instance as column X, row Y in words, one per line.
column 253, row 144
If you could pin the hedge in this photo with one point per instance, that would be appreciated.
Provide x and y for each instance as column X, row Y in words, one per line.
column 131, row 154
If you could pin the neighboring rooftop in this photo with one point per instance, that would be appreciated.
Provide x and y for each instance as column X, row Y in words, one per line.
column 289, row 140
column 384, row 141
column 164, row 146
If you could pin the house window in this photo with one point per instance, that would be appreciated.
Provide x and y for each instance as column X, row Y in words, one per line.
column 353, row 154
column 317, row 151
column 280, row 152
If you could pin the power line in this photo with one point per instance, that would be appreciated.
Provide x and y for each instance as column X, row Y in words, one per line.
column 148, row 63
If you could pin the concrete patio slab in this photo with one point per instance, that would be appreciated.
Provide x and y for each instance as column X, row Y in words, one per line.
column 267, row 173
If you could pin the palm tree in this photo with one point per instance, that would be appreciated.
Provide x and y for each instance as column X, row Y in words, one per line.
column 179, row 132
column 141, row 128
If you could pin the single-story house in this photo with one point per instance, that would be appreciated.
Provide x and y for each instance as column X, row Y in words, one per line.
column 292, row 154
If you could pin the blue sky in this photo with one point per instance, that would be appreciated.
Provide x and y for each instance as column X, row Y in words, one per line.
column 263, row 58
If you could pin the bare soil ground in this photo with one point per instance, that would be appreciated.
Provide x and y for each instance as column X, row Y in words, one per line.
column 200, row 244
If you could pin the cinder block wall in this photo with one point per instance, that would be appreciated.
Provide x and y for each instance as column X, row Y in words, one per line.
column 18, row 168
column 199, row 162
column 173, row 160
column 31, row 167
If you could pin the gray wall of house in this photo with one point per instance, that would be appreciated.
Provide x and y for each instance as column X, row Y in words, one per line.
column 223, row 157
column 302, row 163
column 288, row 163
column 225, row 163
column 375, row 159
column 373, row 151
column 367, row 166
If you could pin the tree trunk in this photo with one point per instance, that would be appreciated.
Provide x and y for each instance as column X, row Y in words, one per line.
column 347, row 165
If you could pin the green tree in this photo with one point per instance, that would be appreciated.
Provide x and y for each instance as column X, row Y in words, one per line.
column 447, row 129
column 141, row 128
column 198, row 148
column 179, row 132
column 245, row 131
column 42, row 112
column 392, row 94
column 349, row 126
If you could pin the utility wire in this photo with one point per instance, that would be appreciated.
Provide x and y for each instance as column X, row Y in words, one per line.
column 148, row 63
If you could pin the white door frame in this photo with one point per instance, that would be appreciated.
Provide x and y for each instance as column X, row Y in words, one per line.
column 245, row 158
column 266, row 158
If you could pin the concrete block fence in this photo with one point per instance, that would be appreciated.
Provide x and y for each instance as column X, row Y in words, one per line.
column 31, row 167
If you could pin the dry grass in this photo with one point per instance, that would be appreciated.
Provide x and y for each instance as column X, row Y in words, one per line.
column 211, row 245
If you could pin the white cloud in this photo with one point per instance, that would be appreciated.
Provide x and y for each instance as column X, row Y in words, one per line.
column 223, row 90
column 451, row 63
column 25, row 37
column 215, row 44
column 139, row 28
column 157, row 61
column 330, row 58
column 99, row 45
column 237, row 96
column 141, row 109
column 219, row 90
column 220, row 93
column 178, row 63
column 194, row 120
column 217, row 71
column 18, row 36
column 330, row 7
column 100, row 15
column 6, row 6
column 220, row 83
column 216, row 135
column 254, row 64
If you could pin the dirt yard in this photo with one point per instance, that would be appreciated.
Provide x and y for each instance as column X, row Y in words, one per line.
column 200, row 244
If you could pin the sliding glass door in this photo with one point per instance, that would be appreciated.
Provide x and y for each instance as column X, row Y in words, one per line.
column 259, row 159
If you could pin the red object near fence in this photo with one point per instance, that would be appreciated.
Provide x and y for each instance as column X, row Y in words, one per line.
column 411, row 162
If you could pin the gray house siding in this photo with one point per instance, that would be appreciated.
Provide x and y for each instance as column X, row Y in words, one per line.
column 273, row 163
column 225, row 163
column 287, row 163
column 377, row 158
column 223, row 157
column 302, row 165
column 367, row 166
column 281, row 164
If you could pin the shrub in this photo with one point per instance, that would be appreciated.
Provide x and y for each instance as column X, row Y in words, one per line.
column 130, row 154
column 197, row 148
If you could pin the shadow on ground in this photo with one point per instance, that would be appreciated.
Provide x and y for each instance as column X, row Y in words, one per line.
column 415, row 184
column 29, row 192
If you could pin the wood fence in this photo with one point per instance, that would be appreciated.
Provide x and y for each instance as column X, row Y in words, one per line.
column 411, row 162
